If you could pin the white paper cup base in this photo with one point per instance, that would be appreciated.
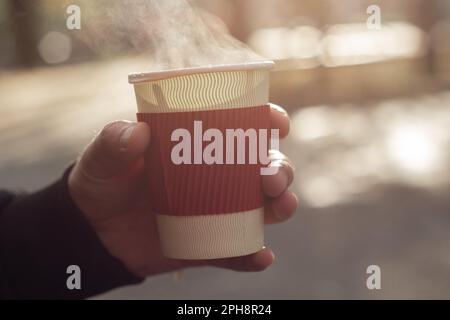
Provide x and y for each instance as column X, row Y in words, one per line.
column 211, row 236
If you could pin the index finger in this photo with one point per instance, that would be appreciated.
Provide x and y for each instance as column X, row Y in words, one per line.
column 279, row 119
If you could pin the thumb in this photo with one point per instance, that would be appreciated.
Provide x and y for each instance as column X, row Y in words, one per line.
column 115, row 148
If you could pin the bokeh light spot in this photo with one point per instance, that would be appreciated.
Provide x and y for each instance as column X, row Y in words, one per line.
column 55, row 47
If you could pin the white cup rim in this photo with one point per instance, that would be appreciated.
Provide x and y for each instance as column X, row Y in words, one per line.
column 138, row 77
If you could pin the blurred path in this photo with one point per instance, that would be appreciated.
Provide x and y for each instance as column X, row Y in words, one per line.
column 373, row 178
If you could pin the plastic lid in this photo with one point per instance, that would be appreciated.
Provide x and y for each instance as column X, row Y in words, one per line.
column 138, row 77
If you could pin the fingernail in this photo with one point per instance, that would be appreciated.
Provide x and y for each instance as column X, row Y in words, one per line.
column 286, row 210
column 279, row 109
column 287, row 167
column 284, row 177
column 273, row 256
column 125, row 135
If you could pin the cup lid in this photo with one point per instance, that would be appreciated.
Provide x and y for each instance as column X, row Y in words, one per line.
column 138, row 77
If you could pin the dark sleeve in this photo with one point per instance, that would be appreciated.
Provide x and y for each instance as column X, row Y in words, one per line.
column 41, row 235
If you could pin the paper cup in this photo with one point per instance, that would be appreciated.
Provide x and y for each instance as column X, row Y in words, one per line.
column 205, row 209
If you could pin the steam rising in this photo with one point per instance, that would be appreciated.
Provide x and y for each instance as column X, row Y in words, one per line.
column 173, row 33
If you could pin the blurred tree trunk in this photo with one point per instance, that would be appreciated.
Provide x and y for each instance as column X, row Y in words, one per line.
column 425, row 16
column 240, row 26
column 24, row 24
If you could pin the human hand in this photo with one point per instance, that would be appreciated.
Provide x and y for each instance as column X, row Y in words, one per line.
column 108, row 184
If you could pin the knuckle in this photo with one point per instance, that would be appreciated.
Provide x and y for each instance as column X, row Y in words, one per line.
column 109, row 133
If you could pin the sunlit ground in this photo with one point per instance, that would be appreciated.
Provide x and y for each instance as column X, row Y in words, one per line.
column 344, row 150
column 373, row 181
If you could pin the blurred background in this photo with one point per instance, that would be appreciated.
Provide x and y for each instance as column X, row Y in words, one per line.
column 370, row 138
